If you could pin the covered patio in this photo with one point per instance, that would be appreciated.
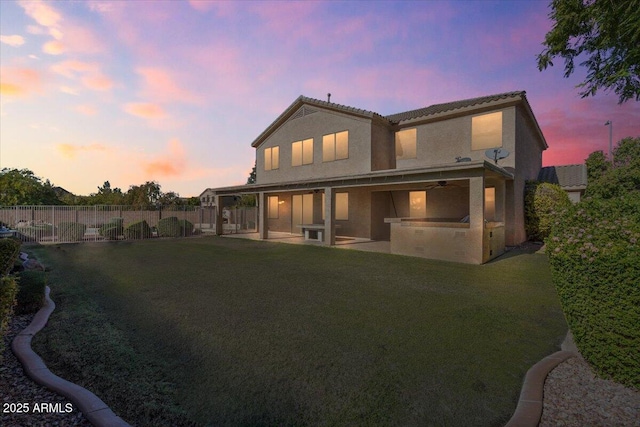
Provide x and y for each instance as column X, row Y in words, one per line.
column 452, row 212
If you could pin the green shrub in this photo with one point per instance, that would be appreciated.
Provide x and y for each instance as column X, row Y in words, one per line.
column 111, row 233
column 30, row 296
column 36, row 232
column 112, row 229
column 9, row 253
column 8, row 292
column 138, row 230
column 594, row 253
column 169, row 227
column 71, row 231
column 542, row 203
column 186, row 228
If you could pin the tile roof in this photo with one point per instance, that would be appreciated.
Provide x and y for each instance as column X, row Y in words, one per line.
column 335, row 106
column 569, row 177
column 449, row 106
column 390, row 119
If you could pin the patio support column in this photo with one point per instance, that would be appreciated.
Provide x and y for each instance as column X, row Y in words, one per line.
column 500, row 200
column 217, row 200
column 476, row 219
column 263, row 215
column 329, row 216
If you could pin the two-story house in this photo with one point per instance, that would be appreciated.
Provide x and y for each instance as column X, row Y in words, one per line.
column 420, row 179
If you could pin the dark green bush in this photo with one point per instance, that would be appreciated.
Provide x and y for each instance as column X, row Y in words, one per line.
column 594, row 252
column 9, row 253
column 8, row 292
column 111, row 233
column 169, row 227
column 36, row 232
column 30, row 296
column 186, row 228
column 542, row 203
column 138, row 230
column 71, row 231
column 112, row 229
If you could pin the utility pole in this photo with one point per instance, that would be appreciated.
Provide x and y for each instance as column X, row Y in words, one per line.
column 610, row 124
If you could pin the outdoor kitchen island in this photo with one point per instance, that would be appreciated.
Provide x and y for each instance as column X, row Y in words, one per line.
column 446, row 239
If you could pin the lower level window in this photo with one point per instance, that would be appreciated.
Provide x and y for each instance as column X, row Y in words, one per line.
column 273, row 207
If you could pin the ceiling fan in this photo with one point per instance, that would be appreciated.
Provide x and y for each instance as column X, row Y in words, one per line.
column 441, row 184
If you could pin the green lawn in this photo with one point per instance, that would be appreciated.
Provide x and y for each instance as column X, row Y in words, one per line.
column 214, row 331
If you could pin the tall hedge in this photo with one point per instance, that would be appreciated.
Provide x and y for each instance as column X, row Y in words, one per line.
column 594, row 253
column 542, row 203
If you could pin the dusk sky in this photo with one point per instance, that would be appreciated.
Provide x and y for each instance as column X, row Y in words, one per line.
column 176, row 91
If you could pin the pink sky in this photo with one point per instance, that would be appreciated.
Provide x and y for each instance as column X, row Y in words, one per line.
column 176, row 91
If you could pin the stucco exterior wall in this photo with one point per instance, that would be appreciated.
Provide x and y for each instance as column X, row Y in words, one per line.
column 528, row 162
column 315, row 126
column 440, row 142
column 383, row 155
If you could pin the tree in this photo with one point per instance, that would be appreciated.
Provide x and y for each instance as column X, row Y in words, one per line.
column 597, row 165
column 107, row 195
column 608, row 33
column 252, row 175
column 22, row 187
column 144, row 196
column 622, row 177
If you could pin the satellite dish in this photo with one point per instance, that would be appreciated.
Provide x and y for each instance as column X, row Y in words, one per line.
column 496, row 154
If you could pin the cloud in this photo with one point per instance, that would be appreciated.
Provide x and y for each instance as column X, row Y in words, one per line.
column 100, row 6
column 70, row 150
column 87, row 110
column 70, row 37
column 170, row 164
column 13, row 40
column 41, row 12
column 19, row 82
column 222, row 8
column 69, row 90
column 145, row 110
column 53, row 47
column 88, row 73
column 98, row 82
column 160, row 85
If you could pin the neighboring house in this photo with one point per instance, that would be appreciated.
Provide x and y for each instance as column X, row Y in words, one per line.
column 418, row 179
column 207, row 197
column 571, row 178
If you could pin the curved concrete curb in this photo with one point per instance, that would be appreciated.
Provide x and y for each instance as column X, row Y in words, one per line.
column 94, row 409
column 529, row 409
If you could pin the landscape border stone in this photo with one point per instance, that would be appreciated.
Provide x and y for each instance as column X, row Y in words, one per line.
column 530, row 404
column 93, row 408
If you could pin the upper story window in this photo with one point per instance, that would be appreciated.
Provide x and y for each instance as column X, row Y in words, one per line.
column 302, row 152
column 486, row 131
column 335, row 146
column 406, row 144
column 271, row 158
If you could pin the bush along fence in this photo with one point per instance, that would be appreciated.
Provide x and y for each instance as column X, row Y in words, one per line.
column 63, row 224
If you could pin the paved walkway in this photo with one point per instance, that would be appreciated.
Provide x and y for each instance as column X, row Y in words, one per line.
column 342, row 242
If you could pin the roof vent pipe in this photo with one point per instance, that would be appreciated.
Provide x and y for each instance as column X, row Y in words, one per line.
column 328, row 97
